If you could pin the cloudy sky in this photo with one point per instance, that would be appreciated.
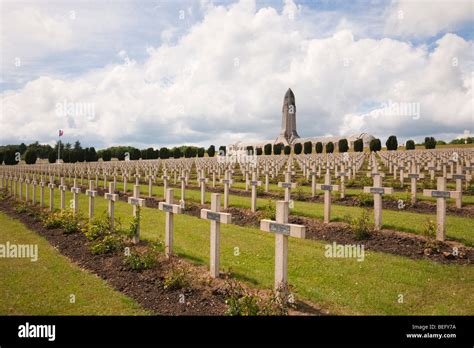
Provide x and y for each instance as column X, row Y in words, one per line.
column 171, row 72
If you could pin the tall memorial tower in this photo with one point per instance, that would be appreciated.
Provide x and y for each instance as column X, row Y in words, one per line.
column 288, row 122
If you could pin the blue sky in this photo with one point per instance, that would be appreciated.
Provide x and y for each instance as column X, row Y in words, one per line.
column 146, row 58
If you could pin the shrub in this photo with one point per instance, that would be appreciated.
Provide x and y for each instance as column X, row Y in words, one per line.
column 298, row 148
column 178, row 278
column 277, row 148
column 164, row 153
column 267, row 149
column 140, row 261
column 259, row 151
column 269, row 211
column 52, row 221
column 343, row 145
column 429, row 229
column 240, row 302
column 287, row 149
column 211, row 151
column 359, row 145
column 30, row 156
column 330, row 147
column 392, row 143
column 361, row 226
column 375, row 145
column 108, row 244
column 318, row 147
column 98, row 227
column 307, row 147
column 65, row 220
column 430, row 143
column 365, row 199
column 410, row 145
column 201, row 151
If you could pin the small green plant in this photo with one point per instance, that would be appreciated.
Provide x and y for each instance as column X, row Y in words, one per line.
column 98, row 227
column 106, row 245
column 131, row 231
column 429, row 232
column 240, row 302
column 21, row 208
column 178, row 278
column 299, row 193
column 52, row 221
column 365, row 199
column 269, row 211
column 69, row 222
column 361, row 226
column 137, row 261
column 260, row 190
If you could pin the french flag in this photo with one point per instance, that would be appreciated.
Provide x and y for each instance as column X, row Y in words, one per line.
column 61, row 132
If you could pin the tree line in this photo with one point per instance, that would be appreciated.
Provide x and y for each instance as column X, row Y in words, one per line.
column 68, row 153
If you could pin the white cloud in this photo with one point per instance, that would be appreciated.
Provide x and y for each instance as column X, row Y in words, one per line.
column 427, row 18
column 225, row 79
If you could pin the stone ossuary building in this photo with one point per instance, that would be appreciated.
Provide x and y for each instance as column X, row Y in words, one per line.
column 289, row 135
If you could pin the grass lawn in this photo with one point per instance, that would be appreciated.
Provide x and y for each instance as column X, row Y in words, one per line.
column 44, row 287
column 344, row 286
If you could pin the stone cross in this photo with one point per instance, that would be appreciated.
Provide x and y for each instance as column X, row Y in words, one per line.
column 288, row 185
column 342, row 174
column 227, row 182
column 170, row 209
column 441, row 194
column 151, row 178
column 62, row 188
column 216, row 218
column 313, row 175
column 34, row 183
column 327, row 188
column 183, row 188
column 91, row 193
column 377, row 190
column 27, row 189
column 202, row 182
column 42, row 184
column 459, row 177
column 136, row 202
column 112, row 198
column 165, row 178
column 21, row 187
column 254, row 184
column 75, row 192
column 51, row 193
column 414, row 176
column 124, row 175
column 282, row 230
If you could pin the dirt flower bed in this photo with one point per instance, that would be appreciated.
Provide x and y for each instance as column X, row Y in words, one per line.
column 170, row 286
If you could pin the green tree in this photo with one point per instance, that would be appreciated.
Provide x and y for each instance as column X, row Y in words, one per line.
column 359, row 145
column 259, row 151
column 267, row 149
column 430, row 143
column 106, row 155
column 298, row 148
column 164, row 153
column 222, row 150
column 1, row 157
column 211, row 151
column 319, row 147
column 30, row 156
column 278, row 148
column 22, row 148
column 330, row 147
column 201, row 151
column 375, row 145
column 52, row 156
column 410, row 145
column 343, row 145
column 287, row 149
column 392, row 143
column 308, row 147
